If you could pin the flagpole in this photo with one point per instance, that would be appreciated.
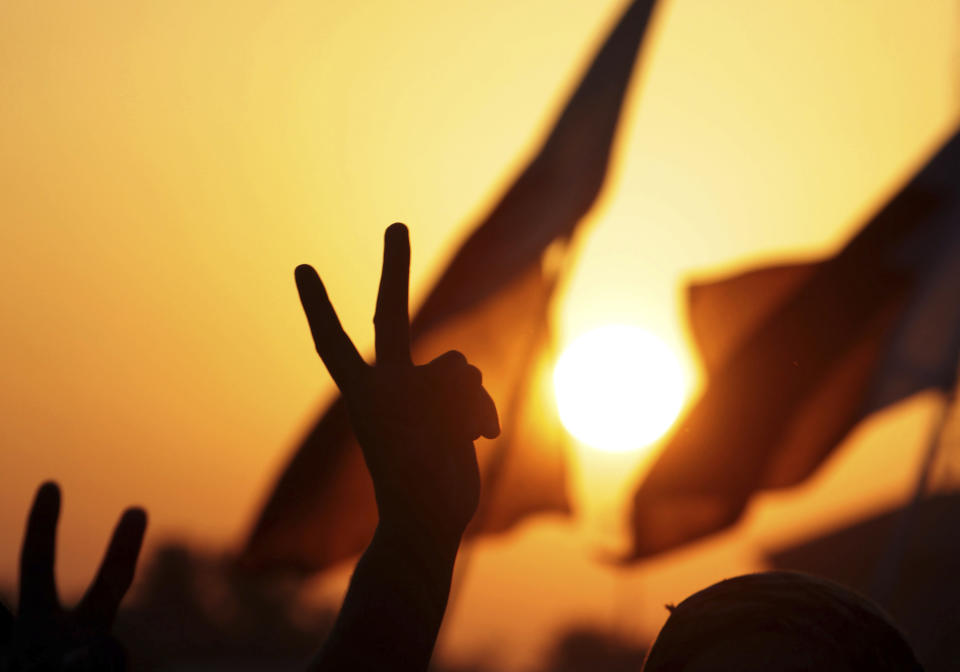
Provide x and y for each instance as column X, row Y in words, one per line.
column 888, row 567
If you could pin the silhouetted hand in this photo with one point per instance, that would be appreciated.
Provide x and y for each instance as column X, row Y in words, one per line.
column 45, row 636
column 415, row 424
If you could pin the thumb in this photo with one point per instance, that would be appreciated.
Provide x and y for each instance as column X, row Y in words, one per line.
column 489, row 421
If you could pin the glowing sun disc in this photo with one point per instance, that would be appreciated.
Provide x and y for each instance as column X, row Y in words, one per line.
column 618, row 388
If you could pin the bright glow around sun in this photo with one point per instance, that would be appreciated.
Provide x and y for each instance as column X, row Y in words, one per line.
column 619, row 388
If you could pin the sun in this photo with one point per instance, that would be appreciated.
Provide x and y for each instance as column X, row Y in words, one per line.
column 619, row 388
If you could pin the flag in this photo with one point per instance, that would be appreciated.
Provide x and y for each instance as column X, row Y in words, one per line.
column 492, row 304
column 797, row 354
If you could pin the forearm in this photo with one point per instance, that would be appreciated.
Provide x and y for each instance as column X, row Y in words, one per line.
column 416, row 426
column 394, row 606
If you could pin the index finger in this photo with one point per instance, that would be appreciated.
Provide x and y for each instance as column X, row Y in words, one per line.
column 392, row 320
column 38, row 591
column 335, row 348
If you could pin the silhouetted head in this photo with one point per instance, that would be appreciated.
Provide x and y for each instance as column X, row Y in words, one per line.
column 779, row 622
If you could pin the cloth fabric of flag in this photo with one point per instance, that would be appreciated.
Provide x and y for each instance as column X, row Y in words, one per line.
column 492, row 304
column 797, row 354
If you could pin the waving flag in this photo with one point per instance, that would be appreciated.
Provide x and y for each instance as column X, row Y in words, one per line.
column 798, row 354
column 492, row 304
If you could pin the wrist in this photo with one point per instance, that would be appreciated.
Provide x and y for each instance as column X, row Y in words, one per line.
column 414, row 536
column 425, row 562
column 425, row 546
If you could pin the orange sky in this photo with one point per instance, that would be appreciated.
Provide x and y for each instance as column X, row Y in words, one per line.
column 165, row 165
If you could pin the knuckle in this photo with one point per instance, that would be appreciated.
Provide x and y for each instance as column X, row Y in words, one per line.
column 449, row 361
column 474, row 375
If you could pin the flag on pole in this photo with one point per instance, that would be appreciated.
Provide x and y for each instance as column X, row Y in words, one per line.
column 797, row 354
column 492, row 304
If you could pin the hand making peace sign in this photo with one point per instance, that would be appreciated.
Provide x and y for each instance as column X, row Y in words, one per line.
column 45, row 636
column 415, row 424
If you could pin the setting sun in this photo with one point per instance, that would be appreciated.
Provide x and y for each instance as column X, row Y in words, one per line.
column 619, row 388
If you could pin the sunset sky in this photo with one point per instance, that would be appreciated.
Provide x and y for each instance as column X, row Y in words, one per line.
column 164, row 165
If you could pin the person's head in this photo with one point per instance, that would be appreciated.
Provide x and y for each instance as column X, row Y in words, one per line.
column 779, row 622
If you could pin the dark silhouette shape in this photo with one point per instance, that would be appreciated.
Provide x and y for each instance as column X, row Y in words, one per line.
column 783, row 621
column 798, row 354
column 491, row 302
column 195, row 610
column 45, row 636
column 416, row 426
column 926, row 598
column 587, row 649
